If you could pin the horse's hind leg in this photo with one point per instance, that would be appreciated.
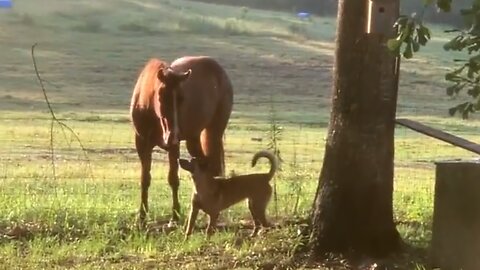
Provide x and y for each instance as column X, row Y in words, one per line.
column 173, row 155
column 212, row 137
column 194, row 147
column 218, row 157
column 212, row 142
column 144, row 151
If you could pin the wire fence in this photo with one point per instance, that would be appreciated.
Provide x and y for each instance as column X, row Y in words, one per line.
column 109, row 172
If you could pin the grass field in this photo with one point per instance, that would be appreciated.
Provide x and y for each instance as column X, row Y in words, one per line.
column 90, row 52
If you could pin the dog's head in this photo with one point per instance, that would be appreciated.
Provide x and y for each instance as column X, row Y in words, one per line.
column 197, row 167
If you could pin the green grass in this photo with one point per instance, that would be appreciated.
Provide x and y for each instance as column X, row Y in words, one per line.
column 91, row 54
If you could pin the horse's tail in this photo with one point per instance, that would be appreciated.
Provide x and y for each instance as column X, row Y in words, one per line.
column 147, row 84
column 273, row 162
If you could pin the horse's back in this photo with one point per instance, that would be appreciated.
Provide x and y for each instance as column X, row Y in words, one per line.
column 204, row 67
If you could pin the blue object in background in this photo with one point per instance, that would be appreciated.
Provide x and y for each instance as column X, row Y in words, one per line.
column 302, row 15
column 6, row 3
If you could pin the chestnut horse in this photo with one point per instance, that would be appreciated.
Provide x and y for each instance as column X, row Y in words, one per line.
column 189, row 100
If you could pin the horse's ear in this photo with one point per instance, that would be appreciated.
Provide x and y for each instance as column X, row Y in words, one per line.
column 185, row 75
column 186, row 164
column 162, row 74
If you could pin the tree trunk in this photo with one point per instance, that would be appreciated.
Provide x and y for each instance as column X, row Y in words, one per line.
column 353, row 207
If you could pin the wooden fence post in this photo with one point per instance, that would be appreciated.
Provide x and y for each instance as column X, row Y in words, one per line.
column 456, row 216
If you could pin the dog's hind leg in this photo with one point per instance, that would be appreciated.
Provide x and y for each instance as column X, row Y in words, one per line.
column 191, row 220
column 212, row 224
column 255, row 217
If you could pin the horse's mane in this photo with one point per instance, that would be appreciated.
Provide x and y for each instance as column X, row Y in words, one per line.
column 146, row 85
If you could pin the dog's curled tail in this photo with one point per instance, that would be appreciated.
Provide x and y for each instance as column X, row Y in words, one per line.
column 271, row 157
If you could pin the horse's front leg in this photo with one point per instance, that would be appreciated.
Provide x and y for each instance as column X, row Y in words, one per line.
column 144, row 150
column 173, row 181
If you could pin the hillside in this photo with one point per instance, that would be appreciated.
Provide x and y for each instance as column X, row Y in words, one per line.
column 92, row 51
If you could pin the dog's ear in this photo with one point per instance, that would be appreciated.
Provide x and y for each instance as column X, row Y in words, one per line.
column 186, row 164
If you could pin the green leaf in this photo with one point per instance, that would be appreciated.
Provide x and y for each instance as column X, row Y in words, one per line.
column 454, row 44
column 474, row 91
column 451, row 90
column 470, row 72
column 401, row 22
column 454, row 75
column 463, row 108
column 444, row 5
column 466, row 110
column 455, row 89
column 423, row 34
column 408, row 53
column 452, row 111
column 427, row 2
column 415, row 46
column 475, row 59
column 394, row 44
column 466, row 12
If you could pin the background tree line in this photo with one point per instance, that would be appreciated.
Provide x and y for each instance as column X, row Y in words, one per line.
column 329, row 7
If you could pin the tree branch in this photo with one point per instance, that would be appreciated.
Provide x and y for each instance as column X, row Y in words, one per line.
column 56, row 120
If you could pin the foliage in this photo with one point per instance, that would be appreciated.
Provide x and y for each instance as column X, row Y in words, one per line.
column 412, row 33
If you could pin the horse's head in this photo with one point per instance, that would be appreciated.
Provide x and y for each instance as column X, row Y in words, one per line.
column 171, row 78
column 170, row 81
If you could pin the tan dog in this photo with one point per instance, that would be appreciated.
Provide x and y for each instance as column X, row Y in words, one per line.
column 213, row 195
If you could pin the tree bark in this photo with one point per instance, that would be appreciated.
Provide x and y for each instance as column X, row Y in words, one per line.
column 353, row 208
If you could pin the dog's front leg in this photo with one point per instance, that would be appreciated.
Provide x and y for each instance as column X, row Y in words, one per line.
column 191, row 220
column 212, row 224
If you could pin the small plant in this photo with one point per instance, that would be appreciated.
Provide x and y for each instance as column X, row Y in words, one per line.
column 294, row 184
column 298, row 29
column 274, row 136
column 198, row 24
column 243, row 13
column 275, row 131
column 234, row 27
